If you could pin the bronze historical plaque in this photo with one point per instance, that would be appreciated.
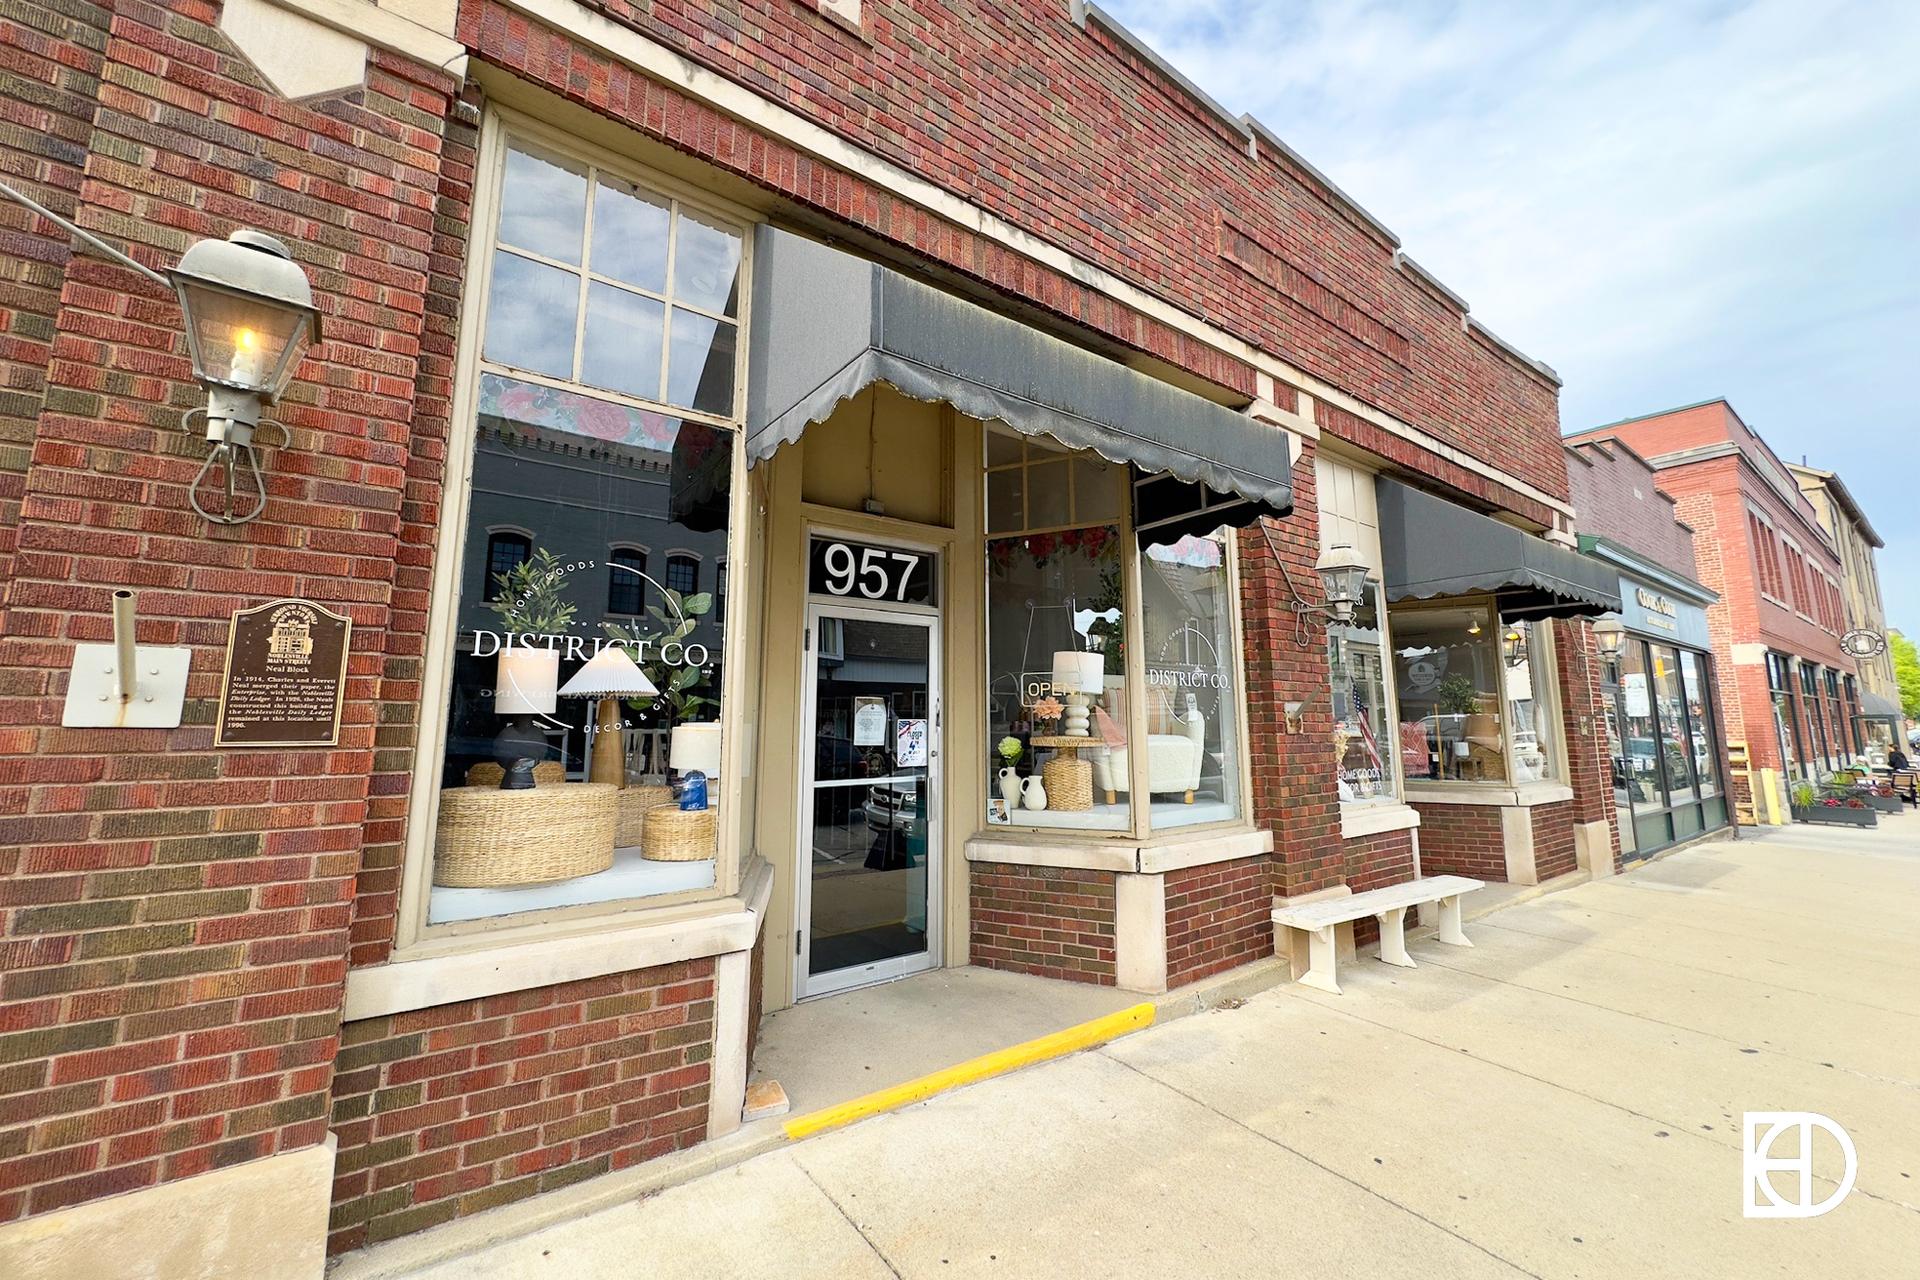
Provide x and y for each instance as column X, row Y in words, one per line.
column 286, row 676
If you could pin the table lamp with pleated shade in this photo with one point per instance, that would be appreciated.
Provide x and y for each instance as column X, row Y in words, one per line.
column 610, row 675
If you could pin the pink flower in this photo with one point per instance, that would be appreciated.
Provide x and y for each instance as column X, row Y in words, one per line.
column 1048, row 709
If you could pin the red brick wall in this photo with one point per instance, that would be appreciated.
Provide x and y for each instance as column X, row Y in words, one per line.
column 1553, row 853
column 445, row 1112
column 1583, row 720
column 1293, row 770
column 1110, row 163
column 175, row 929
column 1618, row 496
column 1218, row 917
column 1056, row 922
column 1374, row 862
column 1462, row 840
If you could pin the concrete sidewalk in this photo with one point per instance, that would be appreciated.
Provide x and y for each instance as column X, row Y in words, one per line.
column 1563, row 1100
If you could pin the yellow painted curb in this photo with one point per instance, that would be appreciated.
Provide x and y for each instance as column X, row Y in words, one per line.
column 1083, row 1036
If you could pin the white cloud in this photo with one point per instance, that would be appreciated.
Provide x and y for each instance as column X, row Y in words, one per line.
column 1665, row 201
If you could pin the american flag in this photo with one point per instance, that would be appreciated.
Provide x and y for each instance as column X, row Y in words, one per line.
column 1366, row 728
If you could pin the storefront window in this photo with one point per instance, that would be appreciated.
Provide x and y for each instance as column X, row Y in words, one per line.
column 570, row 663
column 1056, row 640
column 1676, row 748
column 1449, row 676
column 1706, row 753
column 1192, row 690
column 1786, row 726
column 1617, row 753
column 1643, row 784
column 1362, row 723
column 1531, row 708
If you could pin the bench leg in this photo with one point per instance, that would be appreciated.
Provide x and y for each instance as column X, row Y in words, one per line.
column 1321, row 950
column 1450, row 923
column 1393, row 937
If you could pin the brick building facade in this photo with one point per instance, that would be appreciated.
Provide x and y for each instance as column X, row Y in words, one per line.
column 239, row 993
column 1776, row 626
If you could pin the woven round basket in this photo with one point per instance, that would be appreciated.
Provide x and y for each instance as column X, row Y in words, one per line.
column 548, row 773
column 1069, row 783
column 674, row 834
column 634, row 803
column 490, row 839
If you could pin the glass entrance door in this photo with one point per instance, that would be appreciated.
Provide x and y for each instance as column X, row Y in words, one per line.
column 869, row 856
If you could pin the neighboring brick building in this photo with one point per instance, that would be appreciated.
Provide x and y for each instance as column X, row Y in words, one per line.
column 1873, row 701
column 1777, row 626
column 1671, row 774
column 716, row 304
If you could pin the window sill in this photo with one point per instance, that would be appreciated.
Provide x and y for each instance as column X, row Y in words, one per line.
column 1153, row 856
column 1524, row 796
column 1372, row 818
column 429, row 981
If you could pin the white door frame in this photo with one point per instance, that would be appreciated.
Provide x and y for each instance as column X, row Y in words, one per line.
column 805, row 984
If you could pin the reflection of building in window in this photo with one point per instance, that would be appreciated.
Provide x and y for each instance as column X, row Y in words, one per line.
column 720, row 595
column 626, row 580
column 683, row 574
column 505, row 553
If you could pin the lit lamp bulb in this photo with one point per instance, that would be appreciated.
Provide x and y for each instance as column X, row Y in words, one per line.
column 246, row 358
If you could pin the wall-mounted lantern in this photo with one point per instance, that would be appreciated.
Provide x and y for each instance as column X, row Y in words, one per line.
column 1343, row 575
column 250, row 316
column 1611, row 638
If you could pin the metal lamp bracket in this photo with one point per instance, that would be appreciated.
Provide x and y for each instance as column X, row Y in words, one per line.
column 123, row 685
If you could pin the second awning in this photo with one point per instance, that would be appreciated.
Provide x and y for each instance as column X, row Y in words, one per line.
column 826, row 325
column 1432, row 548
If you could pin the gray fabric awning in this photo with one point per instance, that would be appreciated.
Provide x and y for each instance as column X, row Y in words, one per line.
column 1432, row 547
column 826, row 325
column 1879, row 704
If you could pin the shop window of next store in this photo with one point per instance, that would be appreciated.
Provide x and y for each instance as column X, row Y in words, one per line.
column 1475, row 695
column 603, row 423
column 1064, row 617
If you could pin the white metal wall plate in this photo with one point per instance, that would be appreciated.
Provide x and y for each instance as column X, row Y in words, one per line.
column 159, row 689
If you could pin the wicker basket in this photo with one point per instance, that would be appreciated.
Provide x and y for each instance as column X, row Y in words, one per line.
column 1069, row 783
column 548, row 773
column 634, row 803
column 490, row 839
column 674, row 834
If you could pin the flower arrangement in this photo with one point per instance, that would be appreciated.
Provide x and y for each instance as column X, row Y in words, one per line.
column 1048, row 708
column 1010, row 749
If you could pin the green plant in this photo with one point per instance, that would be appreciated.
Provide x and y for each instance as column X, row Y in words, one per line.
column 530, row 601
column 1456, row 696
column 1803, row 795
column 1010, row 749
column 684, row 688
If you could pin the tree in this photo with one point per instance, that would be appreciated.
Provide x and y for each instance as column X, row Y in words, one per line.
column 1906, row 671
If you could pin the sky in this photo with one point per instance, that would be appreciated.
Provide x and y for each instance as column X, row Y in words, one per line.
column 1667, row 202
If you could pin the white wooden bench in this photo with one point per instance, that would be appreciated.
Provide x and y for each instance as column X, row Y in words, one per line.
column 1389, row 906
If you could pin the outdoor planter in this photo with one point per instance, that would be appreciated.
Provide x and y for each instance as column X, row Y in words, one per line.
column 1837, row 816
column 1886, row 804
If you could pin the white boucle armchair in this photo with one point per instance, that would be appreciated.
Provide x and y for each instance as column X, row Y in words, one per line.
column 1173, row 761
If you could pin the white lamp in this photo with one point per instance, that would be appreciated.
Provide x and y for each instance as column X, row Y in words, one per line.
column 1078, row 674
column 524, row 680
column 523, row 687
column 696, row 746
column 609, row 675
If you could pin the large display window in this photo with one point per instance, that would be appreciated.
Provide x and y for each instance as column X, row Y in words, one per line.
column 1099, row 641
column 578, row 758
column 1451, row 682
